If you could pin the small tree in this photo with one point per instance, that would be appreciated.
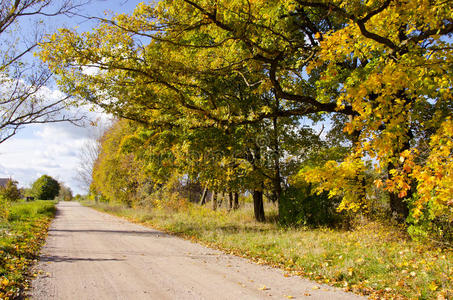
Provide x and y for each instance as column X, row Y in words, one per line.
column 65, row 193
column 10, row 191
column 45, row 188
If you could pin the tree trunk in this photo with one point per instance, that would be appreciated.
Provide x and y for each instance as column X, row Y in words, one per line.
column 398, row 206
column 258, row 206
column 221, row 200
column 214, row 200
column 230, row 198
column 236, row 201
column 203, row 196
column 277, row 177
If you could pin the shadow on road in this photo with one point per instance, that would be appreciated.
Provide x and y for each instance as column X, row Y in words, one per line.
column 54, row 258
column 124, row 232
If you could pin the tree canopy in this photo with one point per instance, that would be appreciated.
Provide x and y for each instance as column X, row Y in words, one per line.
column 380, row 71
column 45, row 188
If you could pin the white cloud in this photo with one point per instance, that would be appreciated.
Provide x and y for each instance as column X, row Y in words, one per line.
column 90, row 70
column 51, row 149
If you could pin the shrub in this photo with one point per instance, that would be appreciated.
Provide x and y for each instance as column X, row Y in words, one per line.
column 434, row 224
column 300, row 206
column 65, row 193
column 4, row 208
column 10, row 191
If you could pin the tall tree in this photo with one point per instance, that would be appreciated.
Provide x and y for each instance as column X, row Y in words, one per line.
column 400, row 90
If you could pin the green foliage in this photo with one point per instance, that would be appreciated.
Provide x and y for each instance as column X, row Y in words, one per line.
column 10, row 191
column 117, row 174
column 219, row 122
column 431, row 227
column 302, row 206
column 45, row 188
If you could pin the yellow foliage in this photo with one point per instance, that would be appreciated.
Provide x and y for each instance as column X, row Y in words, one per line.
column 407, row 71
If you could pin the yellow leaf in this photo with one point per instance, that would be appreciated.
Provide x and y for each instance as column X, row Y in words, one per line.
column 433, row 286
column 5, row 282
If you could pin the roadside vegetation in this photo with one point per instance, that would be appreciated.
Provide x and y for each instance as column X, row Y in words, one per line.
column 23, row 229
column 337, row 112
column 374, row 259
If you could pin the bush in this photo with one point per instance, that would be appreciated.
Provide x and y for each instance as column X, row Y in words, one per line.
column 299, row 206
column 45, row 188
column 65, row 193
column 435, row 224
column 4, row 208
column 10, row 191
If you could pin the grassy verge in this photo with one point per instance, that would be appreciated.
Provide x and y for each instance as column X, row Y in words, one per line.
column 21, row 238
column 375, row 260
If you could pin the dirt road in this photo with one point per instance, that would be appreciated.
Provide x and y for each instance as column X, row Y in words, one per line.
column 91, row 255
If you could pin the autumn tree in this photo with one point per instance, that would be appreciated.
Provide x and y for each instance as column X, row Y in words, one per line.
column 381, row 68
column 400, row 91
column 174, row 81
column 116, row 174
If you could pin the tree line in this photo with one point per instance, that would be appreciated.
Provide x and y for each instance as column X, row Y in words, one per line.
column 349, row 100
column 43, row 188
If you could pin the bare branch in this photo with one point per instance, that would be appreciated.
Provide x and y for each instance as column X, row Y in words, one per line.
column 23, row 96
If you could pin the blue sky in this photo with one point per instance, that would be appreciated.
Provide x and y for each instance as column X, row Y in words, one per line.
column 53, row 149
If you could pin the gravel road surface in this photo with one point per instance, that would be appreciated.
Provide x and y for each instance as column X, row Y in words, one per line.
column 92, row 255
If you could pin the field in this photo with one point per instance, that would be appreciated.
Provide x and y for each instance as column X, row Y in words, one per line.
column 21, row 238
column 374, row 259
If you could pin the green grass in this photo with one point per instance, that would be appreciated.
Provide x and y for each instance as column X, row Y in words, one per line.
column 375, row 259
column 21, row 237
